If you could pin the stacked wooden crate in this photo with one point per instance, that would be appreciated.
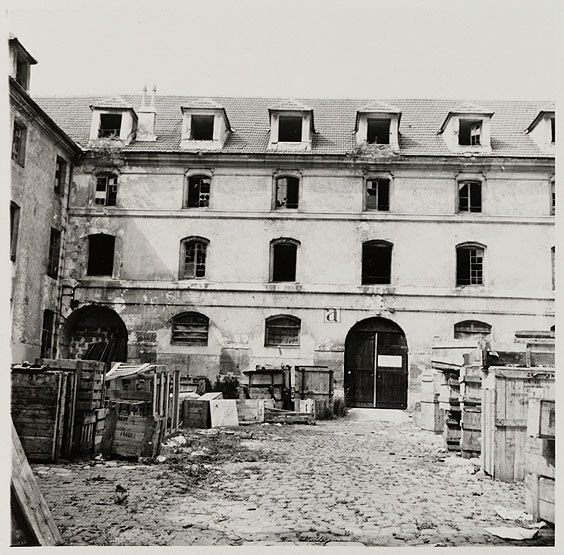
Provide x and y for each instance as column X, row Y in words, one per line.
column 316, row 383
column 471, row 404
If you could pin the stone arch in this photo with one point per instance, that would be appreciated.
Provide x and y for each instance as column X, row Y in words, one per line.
column 94, row 332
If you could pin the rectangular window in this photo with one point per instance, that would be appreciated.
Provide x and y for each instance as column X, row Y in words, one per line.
column 290, row 129
column 190, row 329
column 378, row 131
column 552, row 197
column 469, row 266
column 47, row 333
column 287, row 192
column 22, row 73
column 14, row 228
column 552, row 260
column 106, row 190
column 284, row 262
column 18, row 143
column 469, row 196
column 100, row 255
column 54, row 253
column 194, row 260
column 282, row 331
column 201, row 128
column 469, row 132
column 376, row 264
column 378, row 195
column 110, row 125
column 60, row 174
column 198, row 192
column 552, row 130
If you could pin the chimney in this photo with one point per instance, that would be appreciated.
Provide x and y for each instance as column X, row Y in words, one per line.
column 146, row 117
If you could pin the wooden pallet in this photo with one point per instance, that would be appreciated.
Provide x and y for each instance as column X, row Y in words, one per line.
column 276, row 416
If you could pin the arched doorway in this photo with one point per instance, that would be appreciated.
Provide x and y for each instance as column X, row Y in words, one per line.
column 94, row 333
column 376, row 365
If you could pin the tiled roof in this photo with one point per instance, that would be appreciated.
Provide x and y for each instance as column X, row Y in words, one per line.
column 290, row 104
column 111, row 102
column 200, row 103
column 334, row 124
column 470, row 108
column 379, row 108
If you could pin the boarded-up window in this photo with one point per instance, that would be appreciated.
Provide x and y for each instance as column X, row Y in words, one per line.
column 18, row 142
column 14, row 228
column 54, row 253
column 198, row 193
column 281, row 331
column 376, row 263
column 201, row 128
column 47, row 334
column 193, row 258
column 283, row 260
column 469, row 133
column 190, row 328
column 100, row 254
column 378, row 131
column 110, row 125
column 472, row 329
column 469, row 196
column 106, row 190
column 289, row 129
column 469, row 265
column 60, row 174
column 378, row 194
column 287, row 192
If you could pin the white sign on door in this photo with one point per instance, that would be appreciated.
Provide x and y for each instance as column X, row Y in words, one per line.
column 332, row 315
column 389, row 361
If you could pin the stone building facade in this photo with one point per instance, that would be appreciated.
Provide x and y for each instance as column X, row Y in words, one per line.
column 42, row 158
column 221, row 234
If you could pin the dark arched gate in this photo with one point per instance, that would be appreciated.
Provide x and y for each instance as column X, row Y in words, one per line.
column 376, row 365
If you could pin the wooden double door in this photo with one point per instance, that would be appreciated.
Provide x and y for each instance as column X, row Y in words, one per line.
column 376, row 365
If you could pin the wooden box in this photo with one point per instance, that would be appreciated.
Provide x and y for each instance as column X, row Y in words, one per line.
column 129, row 435
column 196, row 413
column 432, row 417
column 250, row 410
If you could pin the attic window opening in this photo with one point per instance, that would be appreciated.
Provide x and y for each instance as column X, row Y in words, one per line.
column 378, row 131
column 469, row 132
column 110, row 125
column 201, row 128
column 22, row 73
column 289, row 129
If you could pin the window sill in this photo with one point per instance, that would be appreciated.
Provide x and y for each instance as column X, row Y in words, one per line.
column 282, row 346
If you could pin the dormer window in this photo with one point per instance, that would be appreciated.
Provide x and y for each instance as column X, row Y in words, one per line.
column 201, row 128
column 378, row 131
column 110, row 125
column 21, row 62
column 542, row 129
column 289, row 129
column 469, row 132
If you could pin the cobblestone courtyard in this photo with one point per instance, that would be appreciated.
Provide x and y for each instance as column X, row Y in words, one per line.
column 374, row 482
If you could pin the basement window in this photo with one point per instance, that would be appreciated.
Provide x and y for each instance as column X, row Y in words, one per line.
column 190, row 328
column 14, row 228
column 286, row 192
column 198, row 192
column 18, row 142
column 100, row 254
column 378, row 131
column 469, row 132
column 378, row 194
column 47, row 334
column 60, row 174
column 283, row 254
column 201, row 128
column 54, row 253
column 289, row 129
column 469, row 196
column 376, row 263
column 106, row 190
column 469, row 265
column 472, row 329
column 281, row 331
column 193, row 253
column 110, row 126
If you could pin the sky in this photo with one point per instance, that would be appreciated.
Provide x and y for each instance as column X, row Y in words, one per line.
column 293, row 48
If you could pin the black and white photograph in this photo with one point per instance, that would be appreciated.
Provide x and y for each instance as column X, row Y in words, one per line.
column 282, row 273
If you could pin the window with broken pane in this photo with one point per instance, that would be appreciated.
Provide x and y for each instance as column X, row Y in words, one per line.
column 190, row 328
column 376, row 263
column 193, row 259
column 18, row 142
column 290, row 129
column 282, row 331
column 198, row 193
column 201, row 128
column 287, row 192
column 60, row 174
column 47, row 334
column 378, row 131
column 469, row 196
column 106, row 190
column 110, row 125
column 469, row 133
column 378, row 194
column 54, row 253
column 469, row 265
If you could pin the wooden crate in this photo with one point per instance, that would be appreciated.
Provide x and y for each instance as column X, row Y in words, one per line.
column 314, row 382
column 131, row 436
column 196, row 413
column 432, row 417
column 250, row 410
column 471, row 432
column 505, row 397
column 471, row 384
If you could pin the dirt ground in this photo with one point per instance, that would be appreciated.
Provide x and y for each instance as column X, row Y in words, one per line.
column 375, row 483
